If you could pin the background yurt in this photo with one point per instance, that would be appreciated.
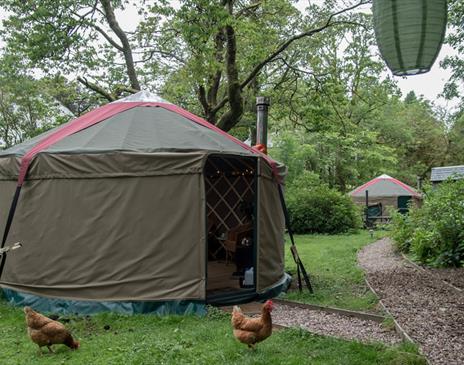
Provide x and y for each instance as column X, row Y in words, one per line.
column 383, row 193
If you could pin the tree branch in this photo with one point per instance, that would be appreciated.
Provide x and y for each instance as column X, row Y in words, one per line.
column 152, row 52
column 219, row 55
column 118, row 90
column 248, row 8
column 94, row 87
column 288, row 42
column 96, row 27
column 107, row 37
column 202, row 97
column 220, row 105
column 127, row 50
column 257, row 69
column 299, row 70
column 214, row 80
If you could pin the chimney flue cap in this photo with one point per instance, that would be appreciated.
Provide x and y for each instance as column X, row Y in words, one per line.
column 263, row 100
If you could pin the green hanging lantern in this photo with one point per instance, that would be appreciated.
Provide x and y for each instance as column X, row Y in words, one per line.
column 409, row 33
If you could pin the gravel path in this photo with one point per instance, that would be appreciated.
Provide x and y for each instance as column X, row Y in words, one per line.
column 336, row 325
column 431, row 312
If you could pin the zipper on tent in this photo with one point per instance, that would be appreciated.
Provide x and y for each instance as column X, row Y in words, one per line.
column 205, row 226
column 256, row 224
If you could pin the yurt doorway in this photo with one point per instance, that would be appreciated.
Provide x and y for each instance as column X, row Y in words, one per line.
column 403, row 204
column 231, row 200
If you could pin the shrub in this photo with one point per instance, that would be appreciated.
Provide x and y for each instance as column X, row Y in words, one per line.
column 321, row 210
column 402, row 230
column 434, row 233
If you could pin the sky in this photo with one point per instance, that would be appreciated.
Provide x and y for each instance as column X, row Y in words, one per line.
column 430, row 84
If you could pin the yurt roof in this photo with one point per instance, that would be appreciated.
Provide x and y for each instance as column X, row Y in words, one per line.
column 142, row 122
column 384, row 186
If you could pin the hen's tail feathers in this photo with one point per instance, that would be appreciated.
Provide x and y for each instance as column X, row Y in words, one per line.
column 34, row 319
column 237, row 309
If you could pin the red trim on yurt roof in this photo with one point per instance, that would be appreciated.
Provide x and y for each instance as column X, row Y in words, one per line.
column 201, row 121
column 403, row 185
column 369, row 183
column 107, row 111
column 378, row 179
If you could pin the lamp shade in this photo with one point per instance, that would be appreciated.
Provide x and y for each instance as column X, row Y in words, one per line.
column 409, row 33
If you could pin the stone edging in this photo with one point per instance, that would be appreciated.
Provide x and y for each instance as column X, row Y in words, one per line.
column 404, row 335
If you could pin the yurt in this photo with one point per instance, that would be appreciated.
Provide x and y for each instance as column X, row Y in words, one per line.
column 384, row 192
column 139, row 206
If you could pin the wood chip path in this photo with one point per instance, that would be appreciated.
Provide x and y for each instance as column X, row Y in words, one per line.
column 430, row 311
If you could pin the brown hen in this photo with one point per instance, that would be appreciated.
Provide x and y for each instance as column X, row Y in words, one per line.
column 46, row 332
column 252, row 330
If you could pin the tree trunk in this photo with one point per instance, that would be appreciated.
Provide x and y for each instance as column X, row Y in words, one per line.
column 126, row 47
column 234, row 92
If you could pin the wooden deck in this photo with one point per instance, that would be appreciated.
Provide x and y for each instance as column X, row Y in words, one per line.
column 220, row 276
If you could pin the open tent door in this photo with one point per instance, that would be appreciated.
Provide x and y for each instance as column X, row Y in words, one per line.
column 230, row 183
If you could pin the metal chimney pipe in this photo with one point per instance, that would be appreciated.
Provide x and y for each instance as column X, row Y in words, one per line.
column 262, row 109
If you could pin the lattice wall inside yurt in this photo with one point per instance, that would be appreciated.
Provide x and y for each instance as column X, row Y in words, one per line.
column 230, row 191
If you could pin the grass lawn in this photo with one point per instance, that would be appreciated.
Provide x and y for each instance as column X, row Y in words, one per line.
column 331, row 262
column 147, row 339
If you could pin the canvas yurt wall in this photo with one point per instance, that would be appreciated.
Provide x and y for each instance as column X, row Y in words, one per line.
column 112, row 212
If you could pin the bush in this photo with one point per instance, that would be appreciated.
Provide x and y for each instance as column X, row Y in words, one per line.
column 321, row 210
column 402, row 230
column 434, row 233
